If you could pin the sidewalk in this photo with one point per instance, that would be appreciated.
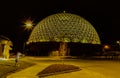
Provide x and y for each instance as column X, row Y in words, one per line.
column 30, row 72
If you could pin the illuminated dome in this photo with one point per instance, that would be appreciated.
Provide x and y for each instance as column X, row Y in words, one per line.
column 64, row 27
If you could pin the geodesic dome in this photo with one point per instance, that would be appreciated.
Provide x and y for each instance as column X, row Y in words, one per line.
column 64, row 27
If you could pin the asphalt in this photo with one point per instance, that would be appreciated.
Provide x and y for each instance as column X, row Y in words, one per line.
column 90, row 69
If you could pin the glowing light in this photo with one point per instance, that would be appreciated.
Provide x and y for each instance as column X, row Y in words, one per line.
column 118, row 42
column 28, row 24
column 106, row 46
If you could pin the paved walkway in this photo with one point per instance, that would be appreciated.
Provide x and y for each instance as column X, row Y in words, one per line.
column 28, row 72
column 90, row 69
column 32, row 71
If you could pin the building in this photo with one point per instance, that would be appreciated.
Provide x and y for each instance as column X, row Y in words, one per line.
column 58, row 31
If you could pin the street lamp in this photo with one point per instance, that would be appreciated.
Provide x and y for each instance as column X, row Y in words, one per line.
column 28, row 25
column 105, row 48
column 118, row 42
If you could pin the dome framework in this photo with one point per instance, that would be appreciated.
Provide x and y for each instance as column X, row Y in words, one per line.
column 64, row 27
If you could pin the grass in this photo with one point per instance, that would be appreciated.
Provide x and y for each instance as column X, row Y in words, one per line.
column 57, row 68
column 8, row 66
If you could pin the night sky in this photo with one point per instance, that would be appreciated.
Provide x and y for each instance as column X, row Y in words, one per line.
column 103, row 15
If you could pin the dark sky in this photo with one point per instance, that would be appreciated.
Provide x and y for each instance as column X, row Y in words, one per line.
column 103, row 15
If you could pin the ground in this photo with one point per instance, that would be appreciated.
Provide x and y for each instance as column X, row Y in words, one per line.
column 7, row 66
column 90, row 68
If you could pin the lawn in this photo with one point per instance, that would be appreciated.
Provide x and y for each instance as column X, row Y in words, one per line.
column 8, row 66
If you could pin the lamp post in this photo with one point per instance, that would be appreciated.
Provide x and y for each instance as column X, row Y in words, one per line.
column 118, row 42
column 28, row 25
